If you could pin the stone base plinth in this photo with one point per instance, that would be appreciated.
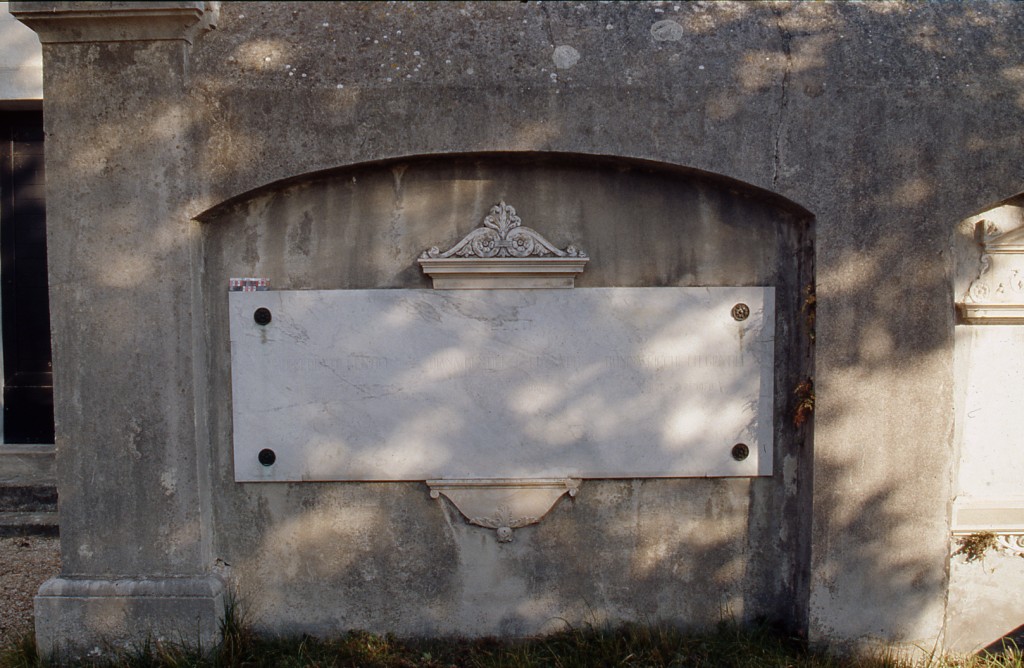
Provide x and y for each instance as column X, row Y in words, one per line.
column 76, row 617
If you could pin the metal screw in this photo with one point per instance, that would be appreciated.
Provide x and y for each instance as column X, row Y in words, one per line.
column 267, row 457
column 740, row 451
column 262, row 316
column 740, row 312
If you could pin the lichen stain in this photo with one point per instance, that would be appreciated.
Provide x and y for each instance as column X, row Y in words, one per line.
column 667, row 31
column 299, row 235
column 565, row 57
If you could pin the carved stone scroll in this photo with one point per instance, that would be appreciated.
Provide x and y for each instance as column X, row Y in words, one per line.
column 503, row 253
column 996, row 296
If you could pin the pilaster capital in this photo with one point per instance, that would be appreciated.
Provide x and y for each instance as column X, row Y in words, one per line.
column 75, row 22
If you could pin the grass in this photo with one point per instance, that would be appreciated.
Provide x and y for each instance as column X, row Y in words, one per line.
column 630, row 645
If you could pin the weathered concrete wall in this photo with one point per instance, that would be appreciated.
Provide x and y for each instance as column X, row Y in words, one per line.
column 887, row 122
column 315, row 557
column 884, row 121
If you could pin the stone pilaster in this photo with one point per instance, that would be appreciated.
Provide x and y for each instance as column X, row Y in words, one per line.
column 131, row 465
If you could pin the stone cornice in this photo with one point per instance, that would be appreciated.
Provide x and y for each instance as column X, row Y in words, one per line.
column 998, row 515
column 74, row 22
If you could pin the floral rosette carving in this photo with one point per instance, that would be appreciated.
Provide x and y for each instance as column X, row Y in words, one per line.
column 503, row 234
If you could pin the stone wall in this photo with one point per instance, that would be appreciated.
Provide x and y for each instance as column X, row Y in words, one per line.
column 323, row 556
column 323, row 145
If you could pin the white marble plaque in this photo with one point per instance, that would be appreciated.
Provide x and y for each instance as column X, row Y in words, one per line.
column 426, row 384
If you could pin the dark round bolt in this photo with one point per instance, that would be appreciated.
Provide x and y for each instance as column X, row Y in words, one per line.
column 267, row 457
column 740, row 312
column 740, row 451
column 262, row 316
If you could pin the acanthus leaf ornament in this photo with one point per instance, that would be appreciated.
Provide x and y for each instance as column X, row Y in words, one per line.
column 502, row 234
column 503, row 253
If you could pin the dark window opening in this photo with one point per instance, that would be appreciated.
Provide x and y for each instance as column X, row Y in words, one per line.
column 28, row 373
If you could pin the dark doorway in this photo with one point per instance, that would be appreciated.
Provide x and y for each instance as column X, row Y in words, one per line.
column 28, row 374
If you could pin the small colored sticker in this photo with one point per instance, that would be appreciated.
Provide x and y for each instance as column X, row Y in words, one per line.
column 248, row 284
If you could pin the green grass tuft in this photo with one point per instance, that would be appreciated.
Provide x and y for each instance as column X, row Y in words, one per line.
column 633, row 645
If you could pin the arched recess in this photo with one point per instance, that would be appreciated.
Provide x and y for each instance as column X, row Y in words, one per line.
column 988, row 287
column 642, row 224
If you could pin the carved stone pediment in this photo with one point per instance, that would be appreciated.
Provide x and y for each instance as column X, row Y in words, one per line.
column 996, row 296
column 503, row 253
